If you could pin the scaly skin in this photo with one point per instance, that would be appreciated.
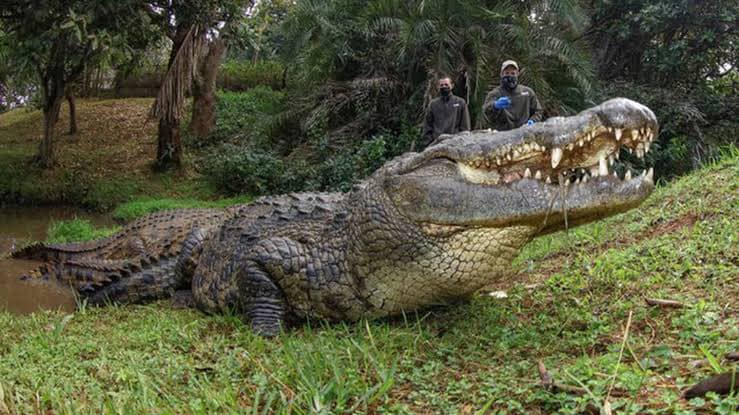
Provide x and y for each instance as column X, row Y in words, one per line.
column 427, row 228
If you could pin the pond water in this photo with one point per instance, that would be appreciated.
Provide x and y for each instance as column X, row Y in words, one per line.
column 17, row 227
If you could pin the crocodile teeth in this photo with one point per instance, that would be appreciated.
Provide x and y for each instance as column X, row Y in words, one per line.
column 650, row 174
column 634, row 135
column 580, row 142
column 611, row 160
column 537, row 176
column 646, row 146
column 602, row 166
column 497, row 161
column 618, row 133
column 556, row 156
column 527, row 173
column 548, row 180
column 640, row 152
column 570, row 146
column 516, row 153
column 508, row 157
column 628, row 175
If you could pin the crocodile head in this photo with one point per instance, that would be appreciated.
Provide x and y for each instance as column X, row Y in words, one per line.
column 547, row 176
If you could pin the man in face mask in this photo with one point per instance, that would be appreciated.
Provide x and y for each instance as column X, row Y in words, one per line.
column 511, row 105
column 447, row 114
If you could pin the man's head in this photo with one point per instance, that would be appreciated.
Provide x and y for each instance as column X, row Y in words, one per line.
column 509, row 74
column 445, row 86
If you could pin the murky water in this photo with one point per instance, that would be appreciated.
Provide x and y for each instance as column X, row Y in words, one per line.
column 18, row 226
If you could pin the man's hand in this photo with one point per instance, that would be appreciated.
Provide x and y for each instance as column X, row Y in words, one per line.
column 502, row 103
column 530, row 122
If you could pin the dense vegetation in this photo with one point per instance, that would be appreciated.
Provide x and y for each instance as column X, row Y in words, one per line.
column 361, row 72
column 575, row 301
column 321, row 92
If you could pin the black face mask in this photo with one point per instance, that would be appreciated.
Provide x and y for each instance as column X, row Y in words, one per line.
column 445, row 92
column 509, row 82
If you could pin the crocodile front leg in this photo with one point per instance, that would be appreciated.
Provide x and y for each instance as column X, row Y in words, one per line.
column 262, row 300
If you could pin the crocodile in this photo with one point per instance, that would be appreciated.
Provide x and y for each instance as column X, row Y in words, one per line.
column 427, row 228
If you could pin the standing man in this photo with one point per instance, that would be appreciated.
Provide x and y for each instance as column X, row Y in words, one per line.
column 511, row 105
column 447, row 114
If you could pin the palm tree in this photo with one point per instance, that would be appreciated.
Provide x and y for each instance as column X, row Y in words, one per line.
column 349, row 49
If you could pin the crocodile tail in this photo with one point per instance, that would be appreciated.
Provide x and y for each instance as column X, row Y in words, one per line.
column 52, row 252
column 132, row 280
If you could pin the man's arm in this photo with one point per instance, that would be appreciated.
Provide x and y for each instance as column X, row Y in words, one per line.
column 535, row 111
column 464, row 122
column 428, row 126
column 487, row 107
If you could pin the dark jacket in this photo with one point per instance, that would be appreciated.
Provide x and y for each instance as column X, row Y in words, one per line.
column 524, row 106
column 446, row 115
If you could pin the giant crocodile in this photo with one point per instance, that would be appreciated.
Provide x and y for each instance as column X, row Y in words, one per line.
column 427, row 228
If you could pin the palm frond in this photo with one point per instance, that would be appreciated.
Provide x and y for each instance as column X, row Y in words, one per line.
column 170, row 100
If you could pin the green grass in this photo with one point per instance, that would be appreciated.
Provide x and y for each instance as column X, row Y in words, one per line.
column 76, row 230
column 140, row 207
column 569, row 301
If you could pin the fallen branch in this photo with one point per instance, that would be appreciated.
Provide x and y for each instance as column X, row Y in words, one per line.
column 721, row 384
column 657, row 302
column 732, row 356
column 549, row 384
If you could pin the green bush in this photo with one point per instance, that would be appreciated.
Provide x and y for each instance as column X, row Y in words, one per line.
column 246, row 116
column 236, row 169
column 241, row 76
column 695, row 125
column 242, row 169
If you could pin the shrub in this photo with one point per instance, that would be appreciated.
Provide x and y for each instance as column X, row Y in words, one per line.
column 246, row 169
column 694, row 125
column 246, row 116
column 241, row 76
column 242, row 169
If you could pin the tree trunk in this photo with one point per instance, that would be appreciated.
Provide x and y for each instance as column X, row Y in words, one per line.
column 169, row 145
column 204, row 91
column 72, row 112
column 169, row 141
column 46, row 148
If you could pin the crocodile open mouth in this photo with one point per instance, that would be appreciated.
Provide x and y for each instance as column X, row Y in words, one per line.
column 586, row 155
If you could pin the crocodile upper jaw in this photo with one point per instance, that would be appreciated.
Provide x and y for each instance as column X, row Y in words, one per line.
column 554, row 172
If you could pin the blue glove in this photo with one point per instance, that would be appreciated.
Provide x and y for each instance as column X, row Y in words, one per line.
column 530, row 122
column 502, row 102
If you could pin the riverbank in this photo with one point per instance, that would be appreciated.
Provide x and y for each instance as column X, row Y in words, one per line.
column 576, row 302
column 108, row 162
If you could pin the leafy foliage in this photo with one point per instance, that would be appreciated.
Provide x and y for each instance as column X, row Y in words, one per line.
column 240, row 75
column 665, row 42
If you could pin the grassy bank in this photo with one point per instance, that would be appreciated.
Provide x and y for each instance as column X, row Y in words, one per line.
column 106, row 163
column 575, row 302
